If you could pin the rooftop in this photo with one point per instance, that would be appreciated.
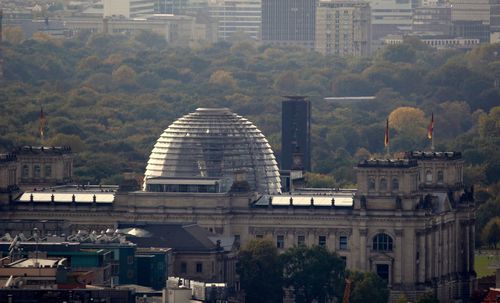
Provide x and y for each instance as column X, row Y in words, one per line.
column 338, row 199
column 35, row 150
column 426, row 155
column 395, row 163
column 71, row 193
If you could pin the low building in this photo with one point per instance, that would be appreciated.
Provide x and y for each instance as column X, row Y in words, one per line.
column 438, row 42
column 177, row 30
column 197, row 254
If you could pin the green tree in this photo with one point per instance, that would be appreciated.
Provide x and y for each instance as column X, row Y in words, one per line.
column 399, row 53
column 489, row 125
column 314, row 274
column 320, row 180
column 260, row 272
column 428, row 298
column 491, row 232
column 368, row 287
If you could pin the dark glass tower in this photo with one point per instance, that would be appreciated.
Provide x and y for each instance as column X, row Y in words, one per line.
column 295, row 131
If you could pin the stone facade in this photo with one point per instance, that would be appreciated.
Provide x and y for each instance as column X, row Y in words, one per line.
column 31, row 166
column 411, row 221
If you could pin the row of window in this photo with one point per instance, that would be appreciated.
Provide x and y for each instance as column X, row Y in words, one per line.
column 198, row 267
column 37, row 171
column 429, row 177
column 383, row 184
column 380, row 242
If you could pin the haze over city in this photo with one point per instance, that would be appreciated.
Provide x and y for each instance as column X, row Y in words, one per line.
column 249, row 151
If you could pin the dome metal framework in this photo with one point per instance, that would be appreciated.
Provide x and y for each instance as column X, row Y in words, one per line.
column 214, row 143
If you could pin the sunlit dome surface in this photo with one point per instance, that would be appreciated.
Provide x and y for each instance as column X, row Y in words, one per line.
column 214, row 143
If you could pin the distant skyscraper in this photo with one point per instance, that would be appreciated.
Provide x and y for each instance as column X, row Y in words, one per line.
column 236, row 16
column 390, row 17
column 343, row 27
column 495, row 21
column 170, row 6
column 471, row 19
column 433, row 20
column 289, row 22
column 295, row 131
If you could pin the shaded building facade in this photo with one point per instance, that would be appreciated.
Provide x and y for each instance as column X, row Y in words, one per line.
column 295, row 131
column 343, row 28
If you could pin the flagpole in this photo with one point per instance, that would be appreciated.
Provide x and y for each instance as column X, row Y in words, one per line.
column 430, row 131
column 41, row 127
column 432, row 143
column 387, row 140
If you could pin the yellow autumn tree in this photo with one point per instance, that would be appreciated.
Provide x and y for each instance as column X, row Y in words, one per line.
column 13, row 34
column 222, row 78
column 408, row 121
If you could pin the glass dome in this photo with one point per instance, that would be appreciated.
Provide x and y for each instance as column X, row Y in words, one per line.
column 214, row 143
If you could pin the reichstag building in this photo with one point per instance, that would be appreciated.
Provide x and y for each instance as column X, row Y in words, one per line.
column 410, row 220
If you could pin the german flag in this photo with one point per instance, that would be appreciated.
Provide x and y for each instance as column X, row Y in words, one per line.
column 430, row 128
column 386, row 136
column 41, row 126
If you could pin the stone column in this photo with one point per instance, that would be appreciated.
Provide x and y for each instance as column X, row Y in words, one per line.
column 362, row 249
column 467, row 248
column 330, row 240
column 289, row 239
column 422, row 256
column 399, row 262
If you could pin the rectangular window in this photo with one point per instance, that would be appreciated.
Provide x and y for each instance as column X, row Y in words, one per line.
column 280, row 241
column 48, row 171
column 237, row 239
column 383, row 271
column 199, row 267
column 322, row 241
column 259, row 236
column 36, row 171
column 343, row 242
column 301, row 240
column 183, row 267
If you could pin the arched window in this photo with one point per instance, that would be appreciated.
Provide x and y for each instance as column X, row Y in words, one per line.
column 395, row 184
column 428, row 176
column 440, row 176
column 383, row 184
column 382, row 242
column 371, row 184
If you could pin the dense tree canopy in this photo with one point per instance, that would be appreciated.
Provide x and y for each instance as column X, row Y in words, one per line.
column 368, row 287
column 261, row 272
column 113, row 95
column 314, row 274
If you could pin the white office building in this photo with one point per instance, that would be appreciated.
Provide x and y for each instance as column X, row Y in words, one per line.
column 127, row 8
